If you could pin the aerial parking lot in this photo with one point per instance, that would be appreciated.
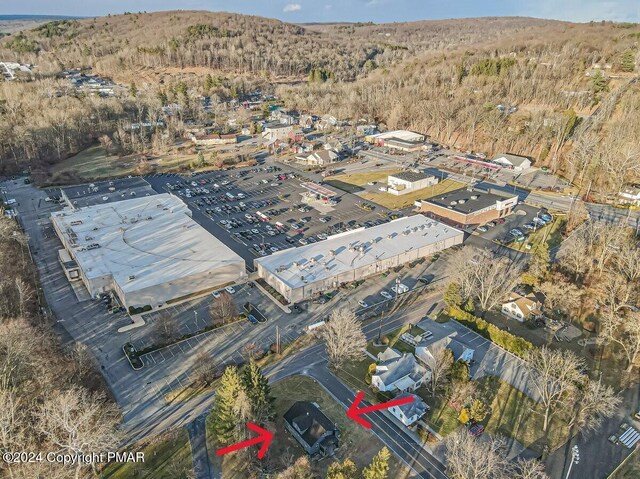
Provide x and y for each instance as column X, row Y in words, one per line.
column 260, row 210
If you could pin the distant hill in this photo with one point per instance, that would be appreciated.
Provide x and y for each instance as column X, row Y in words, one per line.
column 16, row 23
column 251, row 45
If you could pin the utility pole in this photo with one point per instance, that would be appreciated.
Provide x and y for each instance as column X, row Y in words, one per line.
column 277, row 340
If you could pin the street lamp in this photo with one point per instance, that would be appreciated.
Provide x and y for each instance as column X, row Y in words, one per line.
column 575, row 458
column 195, row 313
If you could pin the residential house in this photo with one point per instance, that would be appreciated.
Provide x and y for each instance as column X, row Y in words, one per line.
column 521, row 307
column 334, row 144
column 314, row 431
column 389, row 354
column 318, row 158
column 327, row 122
column 411, row 412
column 297, row 135
column 276, row 131
column 427, row 353
column 308, row 122
column 284, row 117
column 630, row 195
column 399, row 374
column 515, row 162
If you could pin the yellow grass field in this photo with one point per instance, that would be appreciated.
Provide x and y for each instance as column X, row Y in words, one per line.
column 394, row 202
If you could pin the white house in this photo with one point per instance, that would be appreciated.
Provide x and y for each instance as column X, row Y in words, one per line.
column 411, row 412
column 319, row 157
column 515, row 162
column 630, row 195
column 521, row 307
column 272, row 132
column 399, row 374
column 426, row 353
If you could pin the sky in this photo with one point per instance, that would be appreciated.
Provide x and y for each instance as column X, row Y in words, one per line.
column 378, row 11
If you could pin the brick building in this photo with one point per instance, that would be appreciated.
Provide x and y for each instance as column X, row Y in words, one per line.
column 468, row 206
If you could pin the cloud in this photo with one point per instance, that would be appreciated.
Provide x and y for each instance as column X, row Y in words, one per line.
column 292, row 7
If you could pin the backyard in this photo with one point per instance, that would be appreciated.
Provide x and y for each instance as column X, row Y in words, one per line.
column 166, row 457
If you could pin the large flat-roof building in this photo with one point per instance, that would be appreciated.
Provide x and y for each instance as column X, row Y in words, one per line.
column 302, row 273
column 468, row 206
column 402, row 140
column 147, row 250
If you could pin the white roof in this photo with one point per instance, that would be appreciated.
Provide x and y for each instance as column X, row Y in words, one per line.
column 514, row 160
column 152, row 238
column 403, row 135
column 351, row 250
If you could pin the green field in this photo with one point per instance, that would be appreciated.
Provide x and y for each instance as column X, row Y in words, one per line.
column 166, row 457
column 352, row 182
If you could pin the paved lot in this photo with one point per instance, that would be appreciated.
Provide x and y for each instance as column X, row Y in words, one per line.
column 256, row 190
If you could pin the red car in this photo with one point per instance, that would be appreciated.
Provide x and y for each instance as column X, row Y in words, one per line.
column 500, row 221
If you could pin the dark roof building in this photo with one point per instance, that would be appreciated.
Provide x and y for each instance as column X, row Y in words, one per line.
column 468, row 206
column 314, row 431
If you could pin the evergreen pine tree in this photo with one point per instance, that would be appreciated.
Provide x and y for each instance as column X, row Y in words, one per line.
column 379, row 467
column 628, row 61
column 224, row 408
column 258, row 392
column 208, row 82
column 452, row 295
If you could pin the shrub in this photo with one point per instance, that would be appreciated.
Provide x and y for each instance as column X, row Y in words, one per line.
column 512, row 343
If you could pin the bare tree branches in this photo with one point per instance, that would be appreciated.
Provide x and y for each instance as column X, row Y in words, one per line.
column 223, row 309
column 343, row 337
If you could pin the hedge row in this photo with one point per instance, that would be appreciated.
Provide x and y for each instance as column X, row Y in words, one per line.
column 512, row 343
column 139, row 310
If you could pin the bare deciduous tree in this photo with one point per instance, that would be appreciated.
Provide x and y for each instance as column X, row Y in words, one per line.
column 223, row 309
column 205, row 368
column 595, row 402
column 439, row 363
column 343, row 337
column 166, row 327
column 78, row 422
column 554, row 375
column 624, row 330
column 468, row 458
column 484, row 275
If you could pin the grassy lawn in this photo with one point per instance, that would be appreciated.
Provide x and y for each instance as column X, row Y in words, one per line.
column 442, row 418
column 166, row 457
column 515, row 415
column 630, row 469
column 394, row 202
column 357, row 443
column 351, row 182
column 93, row 163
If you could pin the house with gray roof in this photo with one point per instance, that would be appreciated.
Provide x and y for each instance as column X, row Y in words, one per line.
column 399, row 374
column 411, row 412
column 314, row 431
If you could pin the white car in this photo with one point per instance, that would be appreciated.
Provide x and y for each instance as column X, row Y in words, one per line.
column 105, row 198
column 363, row 304
column 371, row 183
column 383, row 188
column 386, row 295
column 216, row 294
column 230, row 290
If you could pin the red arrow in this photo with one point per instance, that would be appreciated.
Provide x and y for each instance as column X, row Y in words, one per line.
column 264, row 436
column 354, row 413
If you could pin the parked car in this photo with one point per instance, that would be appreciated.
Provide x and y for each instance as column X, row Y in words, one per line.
column 252, row 319
column 516, row 232
column 303, row 241
column 482, row 229
column 491, row 224
column 363, row 304
column 216, row 294
column 500, row 221
column 400, row 288
column 230, row 290
column 386, row 295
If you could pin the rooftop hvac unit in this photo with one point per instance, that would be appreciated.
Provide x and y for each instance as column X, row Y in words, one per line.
column 313, row 260
column 332, row 253
column 76, row 223
column 389, row 236
column 158, row 205
column 361, row 248
column 406, row 232
column 296, row 264
column 95, row 228
column 131, row 277
column 352, row 248
column 149, row 218
column 88, row 238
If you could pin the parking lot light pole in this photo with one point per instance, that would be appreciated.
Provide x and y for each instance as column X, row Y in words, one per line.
column 575, row 459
